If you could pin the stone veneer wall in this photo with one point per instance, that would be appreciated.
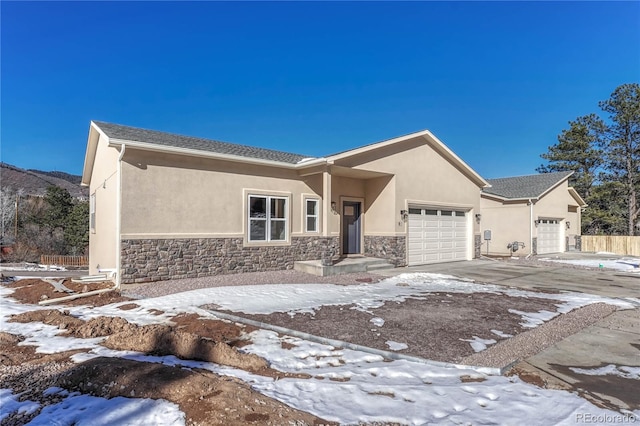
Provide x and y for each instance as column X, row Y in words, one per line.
column 534, row 245
column 579, row 242
column 163, row 259
column 390, row 248
column 477, row 244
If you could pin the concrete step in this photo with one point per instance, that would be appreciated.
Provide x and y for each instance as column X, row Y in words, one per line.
column 380, row 266
column 342, row 266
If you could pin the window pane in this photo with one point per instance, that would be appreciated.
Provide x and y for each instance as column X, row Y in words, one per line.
column 278, row 208
column 459, row 213
column 278, row 232
column 446, row 213
column 257, row 207
column 415, row 211
column 312, row 207
column 312, row 224
column 257, row 230
column 431, row 212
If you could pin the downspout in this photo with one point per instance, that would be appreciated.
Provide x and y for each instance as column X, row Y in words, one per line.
column 530, row 228
column 118, row 216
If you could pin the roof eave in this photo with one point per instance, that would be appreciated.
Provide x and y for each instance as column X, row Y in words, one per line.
column 145, row 146
column 502, row 198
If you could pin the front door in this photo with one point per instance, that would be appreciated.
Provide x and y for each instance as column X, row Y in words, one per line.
column 351, row 227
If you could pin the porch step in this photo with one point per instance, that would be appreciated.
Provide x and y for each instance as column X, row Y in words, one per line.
column 345, row 265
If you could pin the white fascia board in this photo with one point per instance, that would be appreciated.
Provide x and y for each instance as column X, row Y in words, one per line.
column 214, row 155
column 90, row 154
column 501, row 198
column 577, row 197
column 452, row 155
column 555, row 185
column 377, row 145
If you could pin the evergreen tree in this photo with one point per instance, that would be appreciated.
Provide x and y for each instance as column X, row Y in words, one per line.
column 76, row 231
column 579, row 149
column 605, row 156
column 623, row 148
column 60, row 205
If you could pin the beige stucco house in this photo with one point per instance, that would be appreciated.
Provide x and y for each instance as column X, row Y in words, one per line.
column 167, row 206
column 542, row 213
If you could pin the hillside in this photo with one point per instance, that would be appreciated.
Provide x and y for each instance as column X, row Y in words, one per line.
column 36, row 182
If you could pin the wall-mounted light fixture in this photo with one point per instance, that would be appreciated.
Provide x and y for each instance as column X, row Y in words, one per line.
column 404, row 214
column 536, row 222
column 478, row 217
column 333, row 206
column 568, row 224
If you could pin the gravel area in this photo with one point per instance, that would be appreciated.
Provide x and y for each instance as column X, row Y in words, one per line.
column 162, row 288
column 527, row 344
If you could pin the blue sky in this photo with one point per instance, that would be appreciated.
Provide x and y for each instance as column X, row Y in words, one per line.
column 495, row 81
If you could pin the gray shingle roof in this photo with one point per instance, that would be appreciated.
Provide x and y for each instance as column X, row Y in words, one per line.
column 531, row 186
column 135, row 134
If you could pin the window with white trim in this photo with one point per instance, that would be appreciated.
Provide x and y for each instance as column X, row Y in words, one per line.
column 312, row 209
column 92, row 213
column 268, row 218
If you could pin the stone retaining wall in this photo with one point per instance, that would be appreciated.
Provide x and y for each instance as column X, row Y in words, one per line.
column 163, row 259
column 390, row 248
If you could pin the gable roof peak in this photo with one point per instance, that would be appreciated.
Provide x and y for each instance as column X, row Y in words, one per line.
column 528, row 186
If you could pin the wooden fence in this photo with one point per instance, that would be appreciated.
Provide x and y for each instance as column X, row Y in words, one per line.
column 46, row 259
column 624, row 245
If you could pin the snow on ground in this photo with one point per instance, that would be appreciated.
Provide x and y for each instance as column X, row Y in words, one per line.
column 396, row 346
column 377, row 321
column 346, row 386
column 610, row 370
column 478, row 344
column 627, row 264
column 32, row 267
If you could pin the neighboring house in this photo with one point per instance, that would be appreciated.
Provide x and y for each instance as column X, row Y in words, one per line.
column 165, row 206
column 541, row 211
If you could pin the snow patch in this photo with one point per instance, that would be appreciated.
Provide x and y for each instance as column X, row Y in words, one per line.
column 610, row 370
column 395, row 346
column 478, row 344
column 377, row 321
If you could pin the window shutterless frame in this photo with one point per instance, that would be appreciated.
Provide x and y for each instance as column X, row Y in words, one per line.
column 267, row 218
column 92, row 213
column 311, row 216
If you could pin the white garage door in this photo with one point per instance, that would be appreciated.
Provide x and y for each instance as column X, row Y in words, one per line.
column 437, row 235
column 549, row 236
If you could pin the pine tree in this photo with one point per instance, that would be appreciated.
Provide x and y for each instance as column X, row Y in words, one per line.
column 579, row 149
column 622, row 159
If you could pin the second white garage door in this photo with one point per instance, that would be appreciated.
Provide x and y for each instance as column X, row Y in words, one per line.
column 549, row 236
column 437, row 235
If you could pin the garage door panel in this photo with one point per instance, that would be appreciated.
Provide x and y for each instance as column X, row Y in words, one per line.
column 549, row 236
column 437, row 235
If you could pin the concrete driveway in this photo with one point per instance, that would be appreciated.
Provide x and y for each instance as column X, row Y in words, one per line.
column 611, row 345
column 536, row 275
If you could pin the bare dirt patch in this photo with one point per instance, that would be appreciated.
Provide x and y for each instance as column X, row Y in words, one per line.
column 161, row 340
column 216, row 330
column 431, row 325
column 207, row 399
column 34, row 290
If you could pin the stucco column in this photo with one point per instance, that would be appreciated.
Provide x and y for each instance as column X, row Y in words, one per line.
column 326, row 203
